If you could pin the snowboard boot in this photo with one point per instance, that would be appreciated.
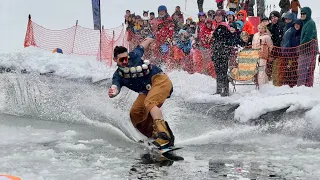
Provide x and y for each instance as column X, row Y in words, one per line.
column 162, row 134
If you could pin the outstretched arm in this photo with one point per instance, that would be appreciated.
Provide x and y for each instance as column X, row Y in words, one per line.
column 146, row 42
column 116, row 85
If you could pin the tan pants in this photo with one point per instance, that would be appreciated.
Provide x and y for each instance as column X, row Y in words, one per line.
column 140, row 111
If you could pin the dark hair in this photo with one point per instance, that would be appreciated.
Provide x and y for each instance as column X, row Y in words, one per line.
column 152, row 13
column 128, row 11
column 119, row 50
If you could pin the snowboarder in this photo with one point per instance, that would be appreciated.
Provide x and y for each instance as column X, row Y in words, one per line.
column 153, row 86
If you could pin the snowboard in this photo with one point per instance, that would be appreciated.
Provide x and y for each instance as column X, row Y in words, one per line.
column 155, row 155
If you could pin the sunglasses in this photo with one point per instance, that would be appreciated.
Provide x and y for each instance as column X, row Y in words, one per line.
column 122, row 59
column 240, row 15
column 303, row 13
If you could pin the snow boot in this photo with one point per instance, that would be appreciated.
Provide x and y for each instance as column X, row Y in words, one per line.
column 218, row 91
column 162, row 134
column 225, row 92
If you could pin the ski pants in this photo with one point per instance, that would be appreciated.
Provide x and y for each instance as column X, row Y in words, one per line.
column 140, row 110
column 221, row 68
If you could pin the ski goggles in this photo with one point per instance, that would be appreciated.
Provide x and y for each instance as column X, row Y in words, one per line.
column 122, row 59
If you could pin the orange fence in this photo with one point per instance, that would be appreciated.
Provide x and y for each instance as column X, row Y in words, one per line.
column 76, row 40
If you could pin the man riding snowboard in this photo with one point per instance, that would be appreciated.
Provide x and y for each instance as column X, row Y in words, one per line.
column 153, row 86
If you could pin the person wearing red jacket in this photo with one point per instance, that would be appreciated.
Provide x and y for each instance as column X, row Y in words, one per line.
column 201, row 24
column 248, row 27
column 165, row 30
column 205, row 39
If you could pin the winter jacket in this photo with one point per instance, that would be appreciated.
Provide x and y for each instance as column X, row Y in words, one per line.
column 289, row 25
column 262, row 41
column 309, row 30
column 205, row 39
column 295, row 4
column 276, row 30
column 185, row 45
column 220, row 48
column 138, row 84
column 165, row 29
column 180, row 16
column 200, row 26
column 291, row 38
column 235, row 39
column 248, row 27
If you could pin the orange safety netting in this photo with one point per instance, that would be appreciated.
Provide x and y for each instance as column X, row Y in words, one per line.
column 293, row 66
column 76, row 40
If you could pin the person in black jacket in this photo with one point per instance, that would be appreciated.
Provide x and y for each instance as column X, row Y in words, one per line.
column 276, row 28
column 221, row 52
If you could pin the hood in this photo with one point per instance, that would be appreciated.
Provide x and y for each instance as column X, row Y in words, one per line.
column 308, row 11
column 298, row 21
column 244, row 12
column 240, row 25
column 290, row 16
column 275, row 13
column 224, row 24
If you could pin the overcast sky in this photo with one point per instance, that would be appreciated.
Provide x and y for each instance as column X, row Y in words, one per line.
column 60, row 14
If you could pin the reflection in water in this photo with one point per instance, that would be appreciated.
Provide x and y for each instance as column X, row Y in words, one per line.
column 236, row 169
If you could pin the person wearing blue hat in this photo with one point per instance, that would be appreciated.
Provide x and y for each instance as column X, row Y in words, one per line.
column 235, row 39
column 239, row 25
column 164, row 32
column 230, row 16
column 57, row 50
